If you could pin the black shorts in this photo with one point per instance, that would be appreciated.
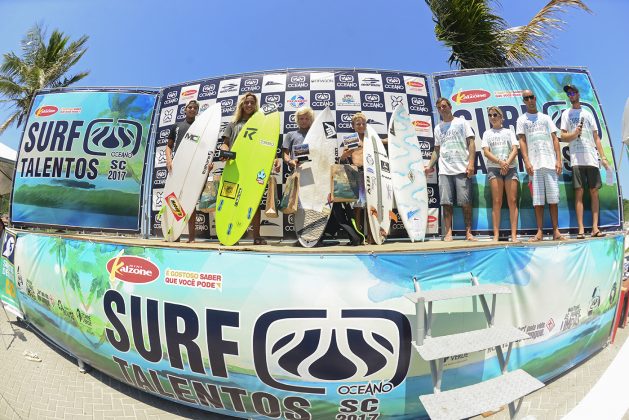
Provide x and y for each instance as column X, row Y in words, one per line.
column 586, row 176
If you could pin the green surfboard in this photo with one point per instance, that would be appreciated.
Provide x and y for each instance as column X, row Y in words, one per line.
column 245, row 177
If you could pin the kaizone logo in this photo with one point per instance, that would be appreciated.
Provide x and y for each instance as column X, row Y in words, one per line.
column 316, row 345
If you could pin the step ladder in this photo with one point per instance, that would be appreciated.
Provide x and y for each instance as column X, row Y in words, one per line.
column 488, row 395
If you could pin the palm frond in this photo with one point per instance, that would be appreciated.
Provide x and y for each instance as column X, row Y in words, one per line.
column 8, row 121
column 529, row 43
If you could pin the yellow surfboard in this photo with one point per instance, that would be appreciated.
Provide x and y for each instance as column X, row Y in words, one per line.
column 245, row 177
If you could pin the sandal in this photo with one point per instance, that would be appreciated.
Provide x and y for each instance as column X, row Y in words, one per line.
column 559, row 238
column 259, row 241
column 598, row 234
column 581, row 236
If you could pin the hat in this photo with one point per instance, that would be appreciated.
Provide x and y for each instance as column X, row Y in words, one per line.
column 570, row 87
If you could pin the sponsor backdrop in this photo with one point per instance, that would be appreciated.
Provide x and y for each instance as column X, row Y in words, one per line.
column 210, row 330
column 81, row 159
column 346, row 91
column 8, row 289
column 472, row 92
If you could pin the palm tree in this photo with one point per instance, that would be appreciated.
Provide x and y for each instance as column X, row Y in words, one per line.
column 42, row 64
column 478, row 38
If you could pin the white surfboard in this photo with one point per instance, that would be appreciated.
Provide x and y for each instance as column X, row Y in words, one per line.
column 378, row 185
column 185, row 183
column 314, row 179
column 407, row 174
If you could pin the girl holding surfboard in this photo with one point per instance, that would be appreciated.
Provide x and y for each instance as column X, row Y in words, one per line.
column 247, row 106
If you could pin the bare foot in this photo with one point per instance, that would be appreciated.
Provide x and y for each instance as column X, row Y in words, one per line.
column 471, row 237
column 496, row 238
column 536, row 238
column 447, row 238
column 514, row 240
column 559, row 237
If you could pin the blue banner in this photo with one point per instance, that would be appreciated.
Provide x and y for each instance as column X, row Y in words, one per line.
column 82, row 158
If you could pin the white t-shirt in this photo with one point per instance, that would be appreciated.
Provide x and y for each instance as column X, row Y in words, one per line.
column 537, row 129
column 582, row 149
column 451, row 137
column 500, row 142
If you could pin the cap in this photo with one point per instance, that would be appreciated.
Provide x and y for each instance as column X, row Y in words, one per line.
column 570, row 87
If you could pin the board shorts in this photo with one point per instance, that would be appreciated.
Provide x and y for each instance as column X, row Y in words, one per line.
column 495, row 173
column 545, row 187
column 586, row 176
column 451, row 186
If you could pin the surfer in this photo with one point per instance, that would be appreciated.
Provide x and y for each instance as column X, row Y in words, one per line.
column 578, row 128
column 542, row 159
column 501, row 149
column 247, row 106
column 304, row 117
column 354, row 156
column 456, row 151
column 174, row 139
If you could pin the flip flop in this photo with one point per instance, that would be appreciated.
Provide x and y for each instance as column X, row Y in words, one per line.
column 559, row 238
column 599, row 234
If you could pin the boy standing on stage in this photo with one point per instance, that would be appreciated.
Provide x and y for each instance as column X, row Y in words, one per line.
column 456, row 151
column 542, row 159
column 578, row 128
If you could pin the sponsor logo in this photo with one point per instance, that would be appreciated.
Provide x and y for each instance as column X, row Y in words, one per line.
column 192, row 137
column 161, row 174
column 193, row 279
column 272, row 83
column 550, row 324
column 322, row 96
column 172, row 97
column 249, row 132
column 132, row 269
column 418, row 101
column 267, row 143
column 370, row 159
column 229, row 87
column 432, row 219
column 298, row 81
column 373, row 101
column 346, row 81
column 268, row 108
column 188, row 93
column 278, row 356
column 393, row 83
column 385, row 167
column 163, row 134
column 414, row 84
column 322, row 100
column 396, row 100
column 329, row 129
column 393, row 80
column 168, row 116
column 421, row 124
column 372, row 97
column 272, row 98
column 229, row 190
column 122, row 138
column 175, row 207
column 8, row 249
column 251, row 85
column 370, row 82
column 208, row 91
column 261, row 177
column 227, row 102
column 46, row 110
column 297, row 101
column 252, row 82
column 470, row 96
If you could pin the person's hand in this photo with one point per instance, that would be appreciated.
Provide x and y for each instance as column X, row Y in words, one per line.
column 578, row 130
column 606, row 163
column 225, row 148
column 277, row 164
column 428, row 170
column 558, row 167
column 529, row 168
column 169, row 165
column 503, row 171
column 504, row 165
column 210, row 166
column 470, row 170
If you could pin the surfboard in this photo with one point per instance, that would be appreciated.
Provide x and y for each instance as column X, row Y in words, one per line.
column 314, row 180
column 187, row 179
column 407, row 174
column 244, row 178
column 377, row 185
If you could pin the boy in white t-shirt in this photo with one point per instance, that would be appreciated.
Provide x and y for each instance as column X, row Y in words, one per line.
column 455, row 150
column 542, row 159
column 578, row 128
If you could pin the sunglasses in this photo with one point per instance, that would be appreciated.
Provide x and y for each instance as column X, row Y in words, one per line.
column 572, row 93
column 494, row 115
column 528, row 98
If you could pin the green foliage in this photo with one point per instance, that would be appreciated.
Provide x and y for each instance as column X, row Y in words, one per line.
column 43, row 63
column 478, row 38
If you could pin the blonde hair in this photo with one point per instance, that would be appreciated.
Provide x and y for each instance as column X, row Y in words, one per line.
column 442, row 99
column 357, row 116
column 241, row 103
column 495, row 108
column 305, row 111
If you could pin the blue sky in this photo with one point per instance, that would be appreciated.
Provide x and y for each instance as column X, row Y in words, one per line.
column 157, row 43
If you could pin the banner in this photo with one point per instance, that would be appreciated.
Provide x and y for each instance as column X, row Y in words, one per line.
column 308, row 336
column 81, row 160
column 376, row 93
column 472, row 92
column 8, row 289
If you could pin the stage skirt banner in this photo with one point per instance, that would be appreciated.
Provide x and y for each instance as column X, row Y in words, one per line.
column 8, row 290
column 472, row 92
column 81, row 160
column 376, row 93
column 300, row 336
